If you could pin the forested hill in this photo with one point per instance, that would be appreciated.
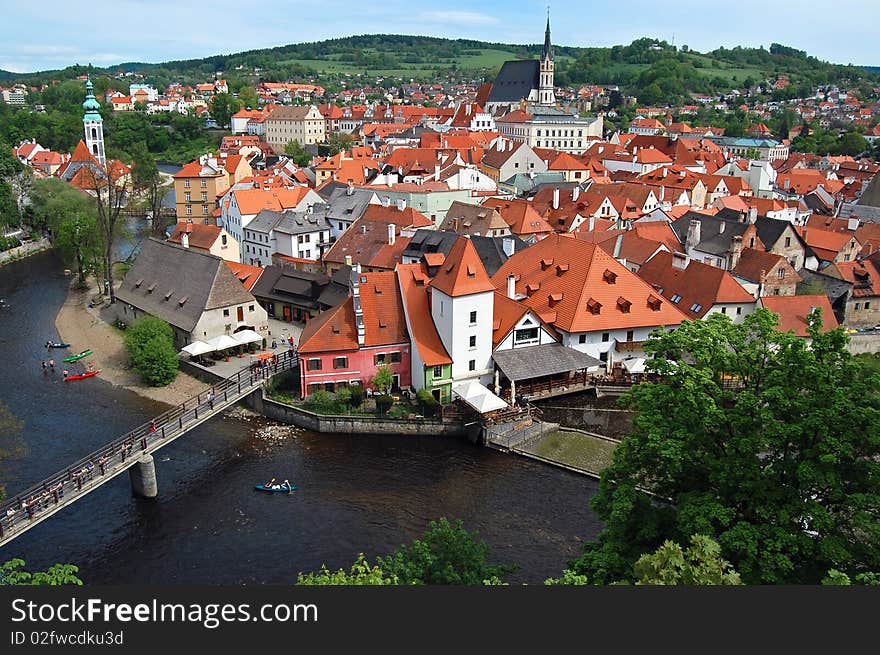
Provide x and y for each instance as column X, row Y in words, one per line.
column 646, row 67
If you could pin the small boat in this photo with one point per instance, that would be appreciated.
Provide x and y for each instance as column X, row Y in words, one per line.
column 275, row 488
column 81, row 376
column 73, row 358
column 58, row 344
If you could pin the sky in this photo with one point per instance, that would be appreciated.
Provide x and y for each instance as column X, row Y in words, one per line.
column 52, row 34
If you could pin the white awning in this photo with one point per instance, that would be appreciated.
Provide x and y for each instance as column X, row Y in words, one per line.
column 198, row 348
column 636, row 365
column 223, row 342
column 478, row 396
column 247, row 336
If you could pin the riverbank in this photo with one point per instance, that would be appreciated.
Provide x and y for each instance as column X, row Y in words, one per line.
column 24, row 250
column 84, row 328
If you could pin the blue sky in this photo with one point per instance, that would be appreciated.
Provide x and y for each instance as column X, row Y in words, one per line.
column 55, row 33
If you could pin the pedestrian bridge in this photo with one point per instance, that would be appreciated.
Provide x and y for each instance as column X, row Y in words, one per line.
column 131, row 452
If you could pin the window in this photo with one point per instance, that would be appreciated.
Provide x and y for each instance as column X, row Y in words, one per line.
column 223, row 239
column 205, row 210
column 225, row 312
column 395, row 357
column 724, row 310
column 606, row 336
column 187, row 196
column 472, row 365
column 582, row 338
column 858, row 306
column 473, row 318
column 340, row 362
column 719, row 263
column 189, row 210
column 472, row 342
column 675, row 299
column 314, row 365
column 696, row 307
column 204, row 196
column 868, row 305
column 739, row 311
column 186, row 184
column 379, row 359
column 438, row 372
column 781, row 274
column 204, row 183
column 526, row 335
column 250, row 308
column 630, row 335
column 787, row 242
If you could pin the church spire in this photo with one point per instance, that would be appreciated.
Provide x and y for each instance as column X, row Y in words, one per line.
column 548, row 49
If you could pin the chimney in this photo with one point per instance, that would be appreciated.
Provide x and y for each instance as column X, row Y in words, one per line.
column 679, row 260
column 591, row 223
column 721, row 226
column 507, row 245
column 735, row 252
column 575, row 192
column 401, row 204
column 391, row 235
column 753, row 215
column 350, row 190
column 386, row 201
column 511, row 287
column 556, row 198
column 852, row 224
column 184, row 238
column 693, row 235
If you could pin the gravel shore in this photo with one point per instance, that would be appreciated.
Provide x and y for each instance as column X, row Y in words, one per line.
column 84, row 328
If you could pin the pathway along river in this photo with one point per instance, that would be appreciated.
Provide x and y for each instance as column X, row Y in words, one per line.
column 355, row 493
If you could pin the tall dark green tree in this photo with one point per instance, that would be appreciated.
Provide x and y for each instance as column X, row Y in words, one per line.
column 755, row 438
column 222, row 107
column 148, row 183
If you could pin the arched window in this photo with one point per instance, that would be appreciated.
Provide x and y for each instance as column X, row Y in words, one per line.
column 95, row 149
column 94, row 133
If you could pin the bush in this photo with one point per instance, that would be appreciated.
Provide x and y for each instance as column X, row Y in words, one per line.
column 320, row 398
column 343, row 395
column 150, row 344
column 383, row 404
column 357, row 395
column 427, row 402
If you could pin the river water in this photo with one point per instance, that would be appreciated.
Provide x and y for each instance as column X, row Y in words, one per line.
column 355, row 493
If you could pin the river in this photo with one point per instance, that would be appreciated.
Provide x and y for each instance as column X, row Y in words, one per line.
column 355, row 493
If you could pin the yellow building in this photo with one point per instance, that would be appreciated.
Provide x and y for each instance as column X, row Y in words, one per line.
column 199, row 185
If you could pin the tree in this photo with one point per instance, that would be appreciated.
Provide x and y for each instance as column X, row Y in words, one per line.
column 357, row 395
column 297, row 153
column 150, row 344
column 12, row 574
column 247, row 97
column 700, row 564
column 447, row 554
column 361, row 573
column 222, row 107
column 852, row 143
column 343, row 396
column 384, row 379
column 776, row 466
column 340, row 142
column 110, row 186
column 147, row 181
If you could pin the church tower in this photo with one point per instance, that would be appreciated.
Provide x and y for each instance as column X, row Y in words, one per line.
column 93, row 125
column 546, row 96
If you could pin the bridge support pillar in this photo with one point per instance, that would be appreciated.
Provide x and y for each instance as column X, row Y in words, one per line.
column 143, row 478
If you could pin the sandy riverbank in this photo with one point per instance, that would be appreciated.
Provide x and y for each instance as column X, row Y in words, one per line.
column 83, row 328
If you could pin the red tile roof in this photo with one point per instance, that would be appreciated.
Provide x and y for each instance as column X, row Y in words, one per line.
column 582, row 275
column 246, row 273
column 332, row 331
column 252, row 201
column 462, row 273
column 200, row 235
column 754, row 265
column 414, row 290
column 794, row 310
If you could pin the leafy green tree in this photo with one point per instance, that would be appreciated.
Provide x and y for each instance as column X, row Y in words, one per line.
column 9, row 214
column 340, row 142
column 852, row 143
column 150, row 344
column 361, row 573
column 147, row 181
column 12, row 574
column 447, row 554
column 222, row 107
column 700, row 564
column 357, row 395
column 343, row 396
column 838, row 578
column 777, row 466
column 247, row 97
column 297, row 153
column 384, row 379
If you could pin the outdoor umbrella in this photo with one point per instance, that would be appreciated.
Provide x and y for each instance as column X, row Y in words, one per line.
column 198, row 348
column 223, row 342
column 247, row 336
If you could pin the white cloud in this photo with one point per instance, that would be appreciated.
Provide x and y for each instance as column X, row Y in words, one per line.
column 459, row 17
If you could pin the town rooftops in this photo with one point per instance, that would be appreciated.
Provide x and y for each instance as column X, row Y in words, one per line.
column 200, row 235
column 462, row 273
column 794, row 312
column 413, row 283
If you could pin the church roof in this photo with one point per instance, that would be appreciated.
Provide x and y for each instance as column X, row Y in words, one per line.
column 515, row 81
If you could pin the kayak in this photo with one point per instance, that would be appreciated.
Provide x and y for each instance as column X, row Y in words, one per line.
column 73, row 358
column 81, row 376
column 277, row 488
column 56, row 344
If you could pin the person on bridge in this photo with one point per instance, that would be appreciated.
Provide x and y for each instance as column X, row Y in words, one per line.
column 152, row 426
column 211, row 399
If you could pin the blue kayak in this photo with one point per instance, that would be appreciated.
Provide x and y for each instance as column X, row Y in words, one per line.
column 277, row 488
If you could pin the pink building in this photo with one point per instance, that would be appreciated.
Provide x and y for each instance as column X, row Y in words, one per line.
column 350, row 342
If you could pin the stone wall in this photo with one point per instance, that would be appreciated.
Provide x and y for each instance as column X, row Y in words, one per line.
column 349, row 424
column 613, row 423
column 864, row 343
column 24, row 250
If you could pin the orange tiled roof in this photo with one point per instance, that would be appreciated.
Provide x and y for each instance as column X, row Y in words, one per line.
column 578, row 287
column 200, row 235
column 252, row 201
column 414, row 290
column 794, row 310
column 462, row 273
column 246, row 273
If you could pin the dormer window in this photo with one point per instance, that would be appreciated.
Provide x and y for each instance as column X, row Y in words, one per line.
column 560, row 269
column 546, row 263
column 555, row 298
column 675, row 299
column 609, row 276
column 623, row 305
column 594, row 306
column 696, row 307
column 654, row 303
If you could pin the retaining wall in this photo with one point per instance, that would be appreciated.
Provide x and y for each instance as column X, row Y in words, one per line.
column 24, row 250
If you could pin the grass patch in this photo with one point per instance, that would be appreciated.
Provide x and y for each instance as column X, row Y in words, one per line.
column 574, row 449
